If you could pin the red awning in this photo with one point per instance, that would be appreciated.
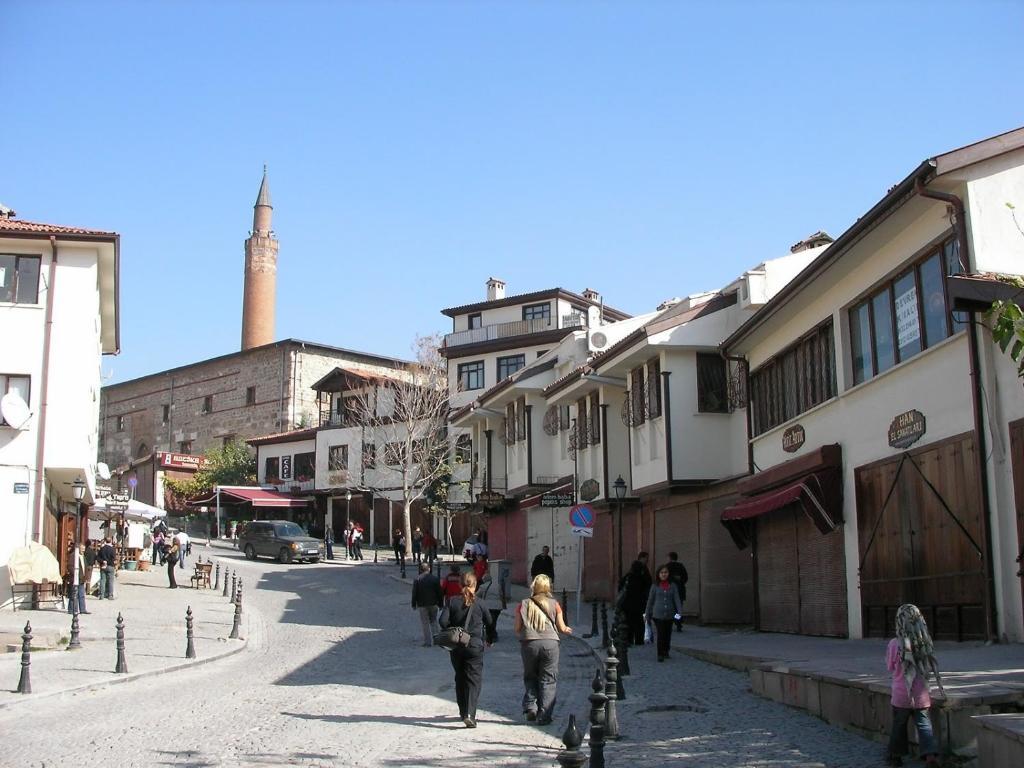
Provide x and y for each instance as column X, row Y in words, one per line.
column 257, row 497
column 819, row 495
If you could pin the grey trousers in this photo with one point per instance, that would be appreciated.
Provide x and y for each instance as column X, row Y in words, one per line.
column 428, row 618
column 540, row 676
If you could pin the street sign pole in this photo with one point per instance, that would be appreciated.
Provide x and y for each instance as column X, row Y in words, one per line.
column 579, row 575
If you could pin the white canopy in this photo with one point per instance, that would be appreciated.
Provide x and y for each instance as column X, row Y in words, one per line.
column 137, row 511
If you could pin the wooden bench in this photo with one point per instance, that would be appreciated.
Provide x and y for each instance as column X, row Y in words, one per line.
column 202, row 575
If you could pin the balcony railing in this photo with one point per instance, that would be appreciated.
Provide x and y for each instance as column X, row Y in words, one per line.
column 508, row 330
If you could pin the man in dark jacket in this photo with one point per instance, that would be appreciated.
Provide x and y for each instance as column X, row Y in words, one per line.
column 107, row 560
column 543, row 563
column 427, row 597
column 677, row 575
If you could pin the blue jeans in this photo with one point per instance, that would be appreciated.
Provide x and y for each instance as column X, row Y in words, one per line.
column 898, row 737
column 107, row 582
column 81, row 598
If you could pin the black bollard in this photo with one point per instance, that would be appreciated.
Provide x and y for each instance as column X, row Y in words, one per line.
column 122, row 666
column 375, row 552
column 611, row 717
column 25, row 682
column 190, row 647
column 402, row 566
column 234, row 588
column 604, row 625
column 74, row 644
column 571, row 756
column 565, row 603
column 216, row 576
column 238, row 613
column 593, row 620
column 624, row 641
column 597, row 702
column 225, row 592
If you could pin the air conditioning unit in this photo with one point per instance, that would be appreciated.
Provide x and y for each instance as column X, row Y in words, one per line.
column 597, row 341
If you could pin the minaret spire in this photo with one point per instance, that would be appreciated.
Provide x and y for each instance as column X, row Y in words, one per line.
column 258, row 297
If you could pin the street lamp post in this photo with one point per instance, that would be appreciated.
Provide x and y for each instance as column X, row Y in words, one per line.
column 348, row 523
column 78, row 489
column 619, row 486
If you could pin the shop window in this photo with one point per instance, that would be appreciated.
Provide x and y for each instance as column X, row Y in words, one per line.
column 337, row 458
column 272, row 470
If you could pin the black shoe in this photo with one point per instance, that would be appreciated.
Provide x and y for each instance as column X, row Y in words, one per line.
column 530, row 715
column 469, row 721
column 544, row 720
column 661, row 658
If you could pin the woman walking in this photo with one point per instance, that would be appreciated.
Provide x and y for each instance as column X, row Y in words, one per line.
column 172, row 560
column 664, row 607
column 537, row 624
column 910, row 658
column 468, row 661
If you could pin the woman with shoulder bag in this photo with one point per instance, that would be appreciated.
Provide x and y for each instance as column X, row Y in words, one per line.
column 468, row 660
column 172, row 560
column 537, row 624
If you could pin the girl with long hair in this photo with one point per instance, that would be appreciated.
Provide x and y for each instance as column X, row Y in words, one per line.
column 466, row 611
column 910, row 659
column 538, row 621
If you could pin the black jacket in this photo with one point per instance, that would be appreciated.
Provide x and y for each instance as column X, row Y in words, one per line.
column 677, row 575
column 426, row 591
column 476, row 620
column 543, row 564
column 107, row 554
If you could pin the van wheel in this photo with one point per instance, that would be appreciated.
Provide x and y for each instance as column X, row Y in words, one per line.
column 250, row 552
column 284, row 556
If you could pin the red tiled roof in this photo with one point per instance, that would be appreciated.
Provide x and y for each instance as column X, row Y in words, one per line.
column 294, row 434
column 19, row 225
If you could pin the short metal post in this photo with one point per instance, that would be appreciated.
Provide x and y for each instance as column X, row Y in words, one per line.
column 122, row 666
column 624, row 641
column 375, row 551
column 25, row 682
column 216, row 576
column 597, row 703
column 604, row 625
column 225, row 592
column 402, row 566
column 611, row 717
column 571, row 756
column 238, row 613
column 565, row 603
column 234, row 588
column 74, row 644
column 190, row 647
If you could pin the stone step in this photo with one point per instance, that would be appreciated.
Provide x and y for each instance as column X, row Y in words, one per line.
column 1000, row 739
column 42, row 640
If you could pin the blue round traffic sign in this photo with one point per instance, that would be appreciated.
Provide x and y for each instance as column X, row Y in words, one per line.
column 581, row 516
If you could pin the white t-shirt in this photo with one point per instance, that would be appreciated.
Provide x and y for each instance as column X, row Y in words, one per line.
column 182, row 538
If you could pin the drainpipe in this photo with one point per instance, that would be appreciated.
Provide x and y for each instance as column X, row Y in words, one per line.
column 666, row 409
column 604, row 446
column 487, row 441
column 746, row 383
column 44, row 386
column 529, row 446
column 976, row 401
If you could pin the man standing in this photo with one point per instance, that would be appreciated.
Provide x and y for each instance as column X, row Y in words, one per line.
column 543, row 563
column 182, row 538
column 417, row 545
column 430, row 547
column 427, row 596
column 677, row 575
column 107, row 558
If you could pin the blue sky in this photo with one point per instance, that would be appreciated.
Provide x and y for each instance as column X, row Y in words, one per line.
column 644, row 149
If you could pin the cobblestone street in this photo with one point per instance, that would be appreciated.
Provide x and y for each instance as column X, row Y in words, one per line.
column 334, row 675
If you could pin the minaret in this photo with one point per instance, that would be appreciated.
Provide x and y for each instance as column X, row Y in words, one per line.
column 260, row 274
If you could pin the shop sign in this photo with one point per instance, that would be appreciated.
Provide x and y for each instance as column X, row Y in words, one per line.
column 181, row 460
column 491, row 499
column 589, row 489
column 21, row 487
column 286, row 467
column 793, row 438
column 557, row 500
column 102, row 491
column 906, row 429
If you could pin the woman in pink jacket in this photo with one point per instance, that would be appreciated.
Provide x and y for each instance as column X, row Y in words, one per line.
column 910, row 658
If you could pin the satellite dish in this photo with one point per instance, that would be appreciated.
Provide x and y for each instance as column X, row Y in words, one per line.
column 14, row 410
column 103, row 471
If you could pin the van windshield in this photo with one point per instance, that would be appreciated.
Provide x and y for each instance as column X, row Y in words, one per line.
column 290, row 529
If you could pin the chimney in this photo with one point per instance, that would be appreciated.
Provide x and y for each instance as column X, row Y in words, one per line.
column 812, row 241
column 591, row 295
column 495, row 289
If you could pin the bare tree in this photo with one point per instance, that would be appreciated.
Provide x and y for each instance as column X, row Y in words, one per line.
column 404, row 415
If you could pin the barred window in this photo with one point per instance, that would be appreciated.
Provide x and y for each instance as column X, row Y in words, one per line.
column 521, row 418
column 800, row 377
column 712, row 384
column 654, row 388
column 337, row 457
column 581, row 423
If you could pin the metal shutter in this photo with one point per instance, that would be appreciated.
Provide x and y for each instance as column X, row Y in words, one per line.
column 677, row 529
column 726, row 573
column 778, row 585
column 822, row 580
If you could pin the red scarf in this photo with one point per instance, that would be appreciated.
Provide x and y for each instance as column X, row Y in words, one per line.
column 665, row 585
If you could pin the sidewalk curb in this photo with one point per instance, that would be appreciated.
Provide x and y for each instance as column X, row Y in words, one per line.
column 131, row 676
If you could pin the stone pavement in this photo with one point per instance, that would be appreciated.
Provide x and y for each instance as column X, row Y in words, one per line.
column 155, row 636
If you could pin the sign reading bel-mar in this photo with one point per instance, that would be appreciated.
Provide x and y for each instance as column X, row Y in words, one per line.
column 581, row 518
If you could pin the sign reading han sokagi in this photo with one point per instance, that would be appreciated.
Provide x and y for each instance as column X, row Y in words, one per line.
column 906, row 429
column 793, row 438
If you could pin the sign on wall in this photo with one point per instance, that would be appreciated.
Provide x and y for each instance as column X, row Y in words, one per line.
column 557, row 500
column 906, row 429
column 181, row 460
column 589, row 489
column 20, row 487
column 793, row 438
column 286, row 467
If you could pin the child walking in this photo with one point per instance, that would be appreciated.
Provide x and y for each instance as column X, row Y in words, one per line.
column 910, row 658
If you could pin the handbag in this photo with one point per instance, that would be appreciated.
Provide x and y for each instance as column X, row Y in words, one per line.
column 454, row 637
column 648, row 634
